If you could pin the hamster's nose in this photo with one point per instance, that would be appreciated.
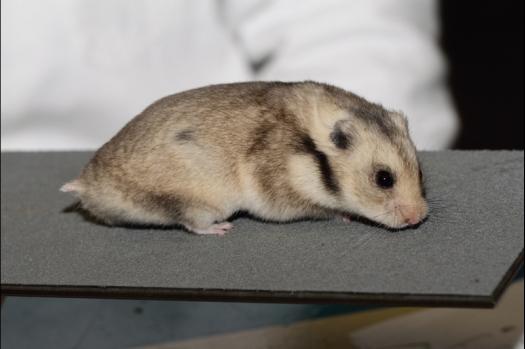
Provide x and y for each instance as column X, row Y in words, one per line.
column 409, row 213
column 412, row 218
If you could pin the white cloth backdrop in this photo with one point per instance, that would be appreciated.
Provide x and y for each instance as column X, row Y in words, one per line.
column 75, row 71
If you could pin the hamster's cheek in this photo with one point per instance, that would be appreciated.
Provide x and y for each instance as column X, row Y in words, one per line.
column 384, row 215
column 382, row 211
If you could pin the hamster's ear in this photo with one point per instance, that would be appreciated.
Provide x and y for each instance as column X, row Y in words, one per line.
column 342, row 134
column 400, row 119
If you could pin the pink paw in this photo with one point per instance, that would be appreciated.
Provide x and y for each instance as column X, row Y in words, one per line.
column 215, row 229
column 346, row 217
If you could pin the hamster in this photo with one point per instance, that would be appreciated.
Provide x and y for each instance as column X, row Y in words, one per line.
column 280, row 151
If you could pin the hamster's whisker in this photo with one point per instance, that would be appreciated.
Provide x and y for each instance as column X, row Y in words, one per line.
column 383, row 215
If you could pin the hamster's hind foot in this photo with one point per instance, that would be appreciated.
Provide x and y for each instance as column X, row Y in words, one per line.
column 214, row 229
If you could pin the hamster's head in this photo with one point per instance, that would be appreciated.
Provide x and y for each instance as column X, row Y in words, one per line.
column 380, row 175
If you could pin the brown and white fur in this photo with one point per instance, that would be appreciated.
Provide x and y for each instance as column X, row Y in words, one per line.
column 281, row 151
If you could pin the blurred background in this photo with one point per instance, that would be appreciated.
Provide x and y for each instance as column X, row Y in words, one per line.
column 75, row 72
column 483, row 42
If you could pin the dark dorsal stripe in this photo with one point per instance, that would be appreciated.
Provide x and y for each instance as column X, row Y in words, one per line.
column 185, row 135
column 308, row 146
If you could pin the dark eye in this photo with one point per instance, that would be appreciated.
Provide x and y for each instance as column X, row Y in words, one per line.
column 384, row 179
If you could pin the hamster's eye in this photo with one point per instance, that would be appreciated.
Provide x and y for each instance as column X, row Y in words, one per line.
column 384, row 179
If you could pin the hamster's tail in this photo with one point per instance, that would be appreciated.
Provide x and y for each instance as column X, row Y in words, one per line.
column 73, row 186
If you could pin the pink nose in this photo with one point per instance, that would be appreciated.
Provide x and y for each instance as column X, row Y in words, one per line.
column 412, row 218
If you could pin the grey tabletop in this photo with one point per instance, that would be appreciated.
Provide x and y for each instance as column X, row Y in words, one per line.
column 464, row 255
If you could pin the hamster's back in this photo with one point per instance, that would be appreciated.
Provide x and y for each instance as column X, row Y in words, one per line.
column 203, row 146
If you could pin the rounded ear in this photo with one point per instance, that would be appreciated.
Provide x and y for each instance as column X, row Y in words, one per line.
column 342, row 134
column 400, row 119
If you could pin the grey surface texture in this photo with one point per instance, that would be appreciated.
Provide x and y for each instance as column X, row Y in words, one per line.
column 466, row 251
